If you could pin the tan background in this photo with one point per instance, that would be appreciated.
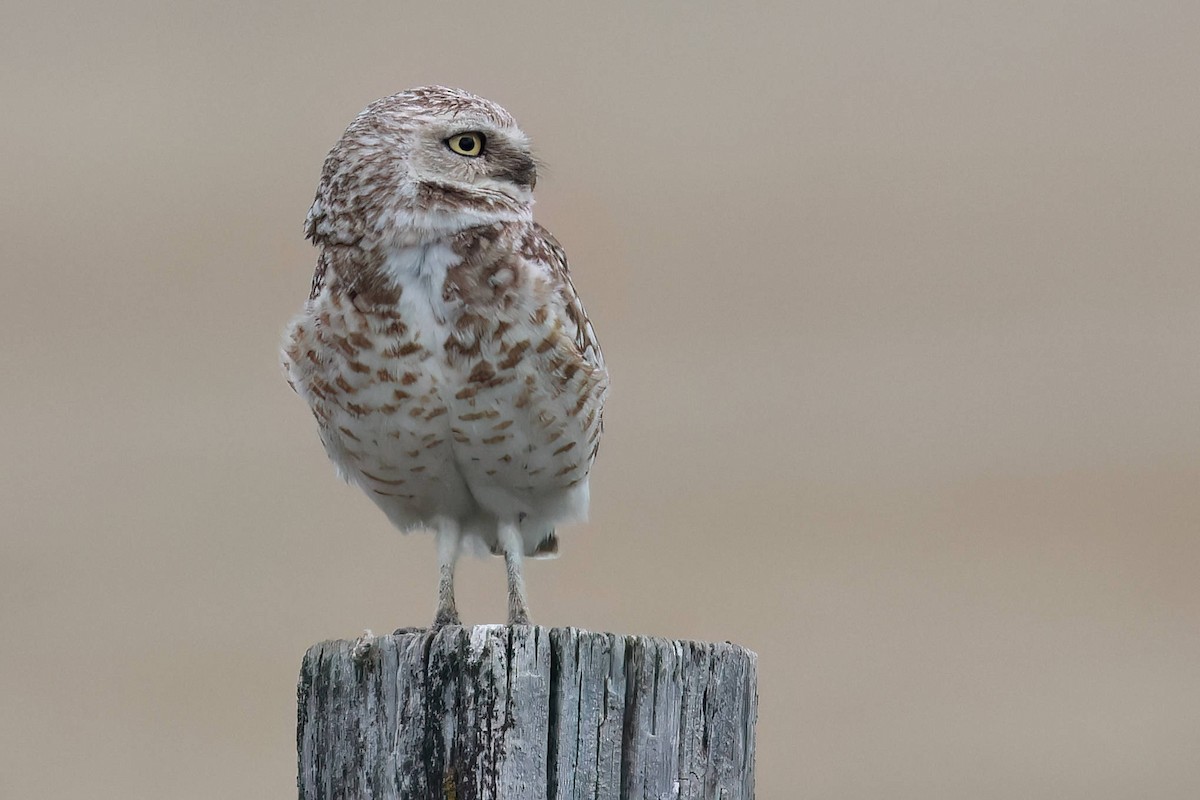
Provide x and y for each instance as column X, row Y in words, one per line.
column 902, row 307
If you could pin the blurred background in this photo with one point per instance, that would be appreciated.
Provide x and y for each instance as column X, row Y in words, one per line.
column 902, row 306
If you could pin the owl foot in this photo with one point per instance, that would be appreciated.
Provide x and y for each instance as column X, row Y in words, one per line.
column 445, row 618
column 408, row 631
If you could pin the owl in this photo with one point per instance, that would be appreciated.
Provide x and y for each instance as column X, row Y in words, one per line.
column 453, row 373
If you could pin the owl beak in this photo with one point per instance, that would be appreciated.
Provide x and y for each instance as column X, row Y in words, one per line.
column 520, row 170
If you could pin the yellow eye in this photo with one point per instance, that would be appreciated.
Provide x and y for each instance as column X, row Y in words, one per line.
column 466, row 144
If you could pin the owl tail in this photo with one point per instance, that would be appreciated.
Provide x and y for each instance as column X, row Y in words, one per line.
column 544, row 545
column 539, row 538
column 547, row 547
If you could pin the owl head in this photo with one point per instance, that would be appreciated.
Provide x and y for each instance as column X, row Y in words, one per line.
column 420, row 165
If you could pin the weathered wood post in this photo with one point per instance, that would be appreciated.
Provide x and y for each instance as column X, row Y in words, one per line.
column 526, row 713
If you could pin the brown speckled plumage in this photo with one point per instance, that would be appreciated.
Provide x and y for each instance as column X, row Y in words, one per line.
column 451, row 368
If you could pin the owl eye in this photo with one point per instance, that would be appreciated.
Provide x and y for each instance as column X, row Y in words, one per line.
column 466, row 144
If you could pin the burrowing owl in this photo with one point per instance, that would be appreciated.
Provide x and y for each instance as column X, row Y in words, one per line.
column 450, row 365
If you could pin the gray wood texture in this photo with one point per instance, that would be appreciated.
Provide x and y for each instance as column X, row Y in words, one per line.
column 526, row 713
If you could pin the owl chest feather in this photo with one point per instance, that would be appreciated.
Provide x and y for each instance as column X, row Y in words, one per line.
column 372, row 376
column 458, row 395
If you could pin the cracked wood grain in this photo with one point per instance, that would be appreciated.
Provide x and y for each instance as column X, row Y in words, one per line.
column 526, row 713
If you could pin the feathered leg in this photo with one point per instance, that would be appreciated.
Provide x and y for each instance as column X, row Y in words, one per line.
column 449, row 545
column 513, row 547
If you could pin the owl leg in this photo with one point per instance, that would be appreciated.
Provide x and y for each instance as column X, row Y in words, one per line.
column 449, row 545
column 514, row 546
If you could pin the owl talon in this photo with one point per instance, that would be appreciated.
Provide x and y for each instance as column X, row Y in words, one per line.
column 444, row 620
column 408, row 631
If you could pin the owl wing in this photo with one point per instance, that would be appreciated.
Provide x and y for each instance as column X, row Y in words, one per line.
column 541, row 246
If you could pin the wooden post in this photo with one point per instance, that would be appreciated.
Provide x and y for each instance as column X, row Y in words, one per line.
column 526, row 713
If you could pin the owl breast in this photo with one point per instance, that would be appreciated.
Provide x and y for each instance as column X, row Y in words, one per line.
column 460, row 396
